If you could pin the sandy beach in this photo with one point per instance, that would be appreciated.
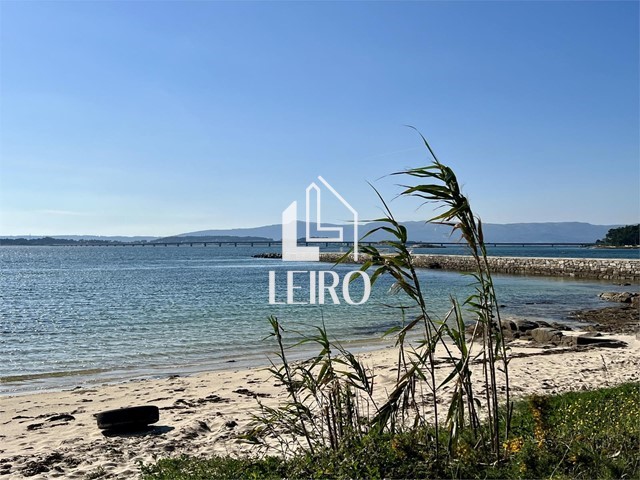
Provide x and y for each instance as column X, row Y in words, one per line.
column 54, row 435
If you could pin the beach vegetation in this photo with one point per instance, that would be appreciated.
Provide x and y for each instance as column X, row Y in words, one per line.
column 575, row 435
column 332, row 400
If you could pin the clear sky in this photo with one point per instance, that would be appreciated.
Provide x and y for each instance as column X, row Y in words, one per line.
column 145, row 118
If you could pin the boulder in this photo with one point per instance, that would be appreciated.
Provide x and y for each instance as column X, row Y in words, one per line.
column 542, row 323
column 525, row 325
column 546, row 335
column 508, row 325
column 509, row 331
column 620, row 297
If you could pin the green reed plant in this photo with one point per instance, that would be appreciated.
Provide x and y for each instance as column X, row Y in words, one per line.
column 443, row 188
column 330, row 397
column 445, row 191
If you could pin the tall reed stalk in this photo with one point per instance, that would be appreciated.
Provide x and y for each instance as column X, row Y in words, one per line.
column 445, row 191
column 331, row 399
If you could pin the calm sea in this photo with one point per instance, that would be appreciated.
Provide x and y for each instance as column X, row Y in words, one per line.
column 77, row 315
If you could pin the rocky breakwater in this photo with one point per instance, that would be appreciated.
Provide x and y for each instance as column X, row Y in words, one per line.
column 606, row 269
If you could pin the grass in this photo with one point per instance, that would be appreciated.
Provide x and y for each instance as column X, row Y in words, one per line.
column 591, row 434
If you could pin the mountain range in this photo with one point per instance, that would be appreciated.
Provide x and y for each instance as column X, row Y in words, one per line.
column 561, row 232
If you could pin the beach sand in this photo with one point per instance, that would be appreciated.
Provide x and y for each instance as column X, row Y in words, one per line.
column 54, row 435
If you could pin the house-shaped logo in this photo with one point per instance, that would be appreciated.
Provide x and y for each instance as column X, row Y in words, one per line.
column 291, row 252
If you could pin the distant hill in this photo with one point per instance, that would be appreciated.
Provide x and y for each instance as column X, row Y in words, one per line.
column 102, row 238
column 267, row 231
column 561, row 232
column 50, row 241
column 568, row 232
column 212, row 238
column 53, row 241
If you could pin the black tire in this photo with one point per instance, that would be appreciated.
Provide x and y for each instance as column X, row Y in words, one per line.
column 128, row 418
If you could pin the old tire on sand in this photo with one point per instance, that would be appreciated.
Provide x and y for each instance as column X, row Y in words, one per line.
column 128, row 418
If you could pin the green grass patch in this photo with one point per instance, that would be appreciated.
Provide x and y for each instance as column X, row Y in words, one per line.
column 591, row 434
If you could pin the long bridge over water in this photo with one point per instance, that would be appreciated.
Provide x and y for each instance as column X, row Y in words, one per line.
column 277, row 243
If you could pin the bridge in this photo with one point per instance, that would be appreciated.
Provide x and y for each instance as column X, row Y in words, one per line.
column 277, row 243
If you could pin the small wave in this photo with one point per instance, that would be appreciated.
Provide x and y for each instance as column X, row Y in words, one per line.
column 39, row 376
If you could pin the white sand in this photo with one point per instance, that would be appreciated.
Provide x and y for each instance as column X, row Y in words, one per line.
column 190, row 423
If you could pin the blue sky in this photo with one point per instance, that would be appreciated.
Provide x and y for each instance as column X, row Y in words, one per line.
column 144, row 118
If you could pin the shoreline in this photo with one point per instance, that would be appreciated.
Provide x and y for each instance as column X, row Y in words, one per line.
column 580, row 318
column 93, row 379
column 54, row 434
column 44, row 383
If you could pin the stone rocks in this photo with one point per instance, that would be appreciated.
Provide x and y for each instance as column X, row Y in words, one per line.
column 621, row 318
column 551, row 333
column 621, row 297
column 546, row 335
column 522, row 328
column 508, row 326
column 524, row 325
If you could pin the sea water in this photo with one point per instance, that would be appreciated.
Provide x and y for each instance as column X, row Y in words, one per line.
column 77, row 315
